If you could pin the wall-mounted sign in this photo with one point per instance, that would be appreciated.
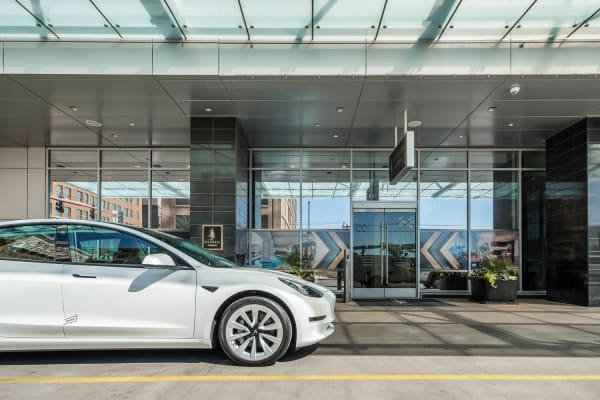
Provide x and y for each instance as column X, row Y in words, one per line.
column 212, row 237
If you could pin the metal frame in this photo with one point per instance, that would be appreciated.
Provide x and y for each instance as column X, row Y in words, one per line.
column 390, row 204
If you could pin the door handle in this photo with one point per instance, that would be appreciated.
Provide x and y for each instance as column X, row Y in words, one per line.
column 84, row 276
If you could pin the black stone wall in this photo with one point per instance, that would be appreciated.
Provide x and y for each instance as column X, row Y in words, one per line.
column 570, row 276
column 218, row 176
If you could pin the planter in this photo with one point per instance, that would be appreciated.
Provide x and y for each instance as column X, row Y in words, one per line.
column 453, row 281
column 481, row 290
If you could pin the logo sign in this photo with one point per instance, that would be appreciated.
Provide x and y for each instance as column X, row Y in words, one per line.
column 212, row 237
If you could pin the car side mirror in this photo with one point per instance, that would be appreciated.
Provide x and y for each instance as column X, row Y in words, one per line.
column 159, row 261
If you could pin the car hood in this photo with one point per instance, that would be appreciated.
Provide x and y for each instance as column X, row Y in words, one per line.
column 260, row 273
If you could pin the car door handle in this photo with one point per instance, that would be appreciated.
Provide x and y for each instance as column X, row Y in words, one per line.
column 84, row 276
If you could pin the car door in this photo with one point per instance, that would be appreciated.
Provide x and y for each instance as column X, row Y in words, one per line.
column 108, row 293
column 30, row 283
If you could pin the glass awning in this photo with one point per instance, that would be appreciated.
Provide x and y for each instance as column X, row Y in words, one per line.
column 335, row 21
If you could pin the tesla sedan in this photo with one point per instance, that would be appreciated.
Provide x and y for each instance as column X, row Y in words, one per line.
column 91, row 285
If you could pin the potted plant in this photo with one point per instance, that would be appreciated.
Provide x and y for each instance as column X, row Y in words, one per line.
column 297, row 267
column 496, row 280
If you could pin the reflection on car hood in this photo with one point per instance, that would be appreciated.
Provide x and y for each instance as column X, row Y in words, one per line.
column 280, row 274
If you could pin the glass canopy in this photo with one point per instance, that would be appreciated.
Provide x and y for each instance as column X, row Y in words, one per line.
column 300, row 20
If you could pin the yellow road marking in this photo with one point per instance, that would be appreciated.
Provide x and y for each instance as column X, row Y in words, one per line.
column 216, row 378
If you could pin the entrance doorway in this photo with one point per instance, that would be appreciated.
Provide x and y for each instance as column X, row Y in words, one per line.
column 384, row 256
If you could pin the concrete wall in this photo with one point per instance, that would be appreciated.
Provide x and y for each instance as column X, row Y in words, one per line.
column 22, row 183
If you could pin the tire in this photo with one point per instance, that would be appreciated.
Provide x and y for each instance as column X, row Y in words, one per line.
column 242, row 338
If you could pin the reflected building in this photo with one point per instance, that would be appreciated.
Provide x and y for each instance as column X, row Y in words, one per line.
column 278, row 213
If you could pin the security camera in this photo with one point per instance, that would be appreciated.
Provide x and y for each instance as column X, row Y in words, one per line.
column 515, row 89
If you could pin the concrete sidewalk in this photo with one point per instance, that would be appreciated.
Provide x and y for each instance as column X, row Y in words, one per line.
column 460, row 327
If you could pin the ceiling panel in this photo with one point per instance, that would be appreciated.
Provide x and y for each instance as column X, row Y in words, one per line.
column 551, row 88
column 207, row 108
column 313, row 89
column 193, row 89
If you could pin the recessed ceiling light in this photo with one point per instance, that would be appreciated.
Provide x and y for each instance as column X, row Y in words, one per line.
column 317, row 124
column 188, row 165
column 292, row 166
column 115, row 135
column 180, row 179
column 74, row 108
column 92, row 122
column 207, row 109
column 335, row 136
column 461, row 136
column 515, row 88
column 344, row 166
column 340, row 109
column 132, row 124
column 138, row 166
column 414, row 124
column 492, row 108
column 511, row 124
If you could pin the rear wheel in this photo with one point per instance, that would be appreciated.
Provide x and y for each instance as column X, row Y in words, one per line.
column 255, row 331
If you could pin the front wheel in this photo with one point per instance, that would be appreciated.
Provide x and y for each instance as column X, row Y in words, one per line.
column 255, row 331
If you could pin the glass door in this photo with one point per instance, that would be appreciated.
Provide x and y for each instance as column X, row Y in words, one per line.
column 384, row 253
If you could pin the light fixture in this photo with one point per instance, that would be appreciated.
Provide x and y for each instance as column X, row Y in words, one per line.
column 317, row 124
column 207, row 109
column 188, row 165
column 414, row 124
column 74, row 108
column 335, row 136
column 138, row 166
column 92, row 122
column 461, row 136
column 132, row 124
column 115, row 135
column 344, row 166
column 180, row 179
column 292, row 166
column 511, row 124
column 340, row 109
column 515, row 88
column 492, row 108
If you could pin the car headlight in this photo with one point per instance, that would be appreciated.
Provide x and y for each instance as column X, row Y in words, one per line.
column 302, row 289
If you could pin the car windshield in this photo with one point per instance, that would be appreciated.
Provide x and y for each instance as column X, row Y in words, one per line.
column 196, row 252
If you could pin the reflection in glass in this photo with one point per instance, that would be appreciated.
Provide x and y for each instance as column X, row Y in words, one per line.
column 73, row 159
column 494, row 159
column 443, row 200
column 276, row 199
column 125, row 197
column 326, row 199
column 533, row 230
column 494, row 200
column 171, row 201
column 73, row 194
column 443, row 159
column 375, row 186
column 370, row 159
column 325, row 159
column 282, row 159
column 346, row 19
column 269, row 249
column 125, row 159
column 533, row 159
column 498, row 244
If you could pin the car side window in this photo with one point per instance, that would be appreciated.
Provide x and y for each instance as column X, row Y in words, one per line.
column 28, row 243
column 94, row 245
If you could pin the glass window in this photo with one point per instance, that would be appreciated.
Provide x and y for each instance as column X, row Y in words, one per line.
column 325, row 159
column 171, row 201
column 125, row 159
column 533, row 159
column 34, row 243
column 118, row 187
column 67, row 213
column 281, row 190
column 370, row 159
column 443, row 200
column 375, row 186
column 443, row 159
column 59, row 191
column 76, row 159
column 496, row 244
column 270, row 249
column 282, row 159
column 79, row 196
column 326, row 199
column 171, row 159
column 494, row 200
column 494, row 159
column 67, row 193
column 79, row 214
column 86, row 198
column 93, row 245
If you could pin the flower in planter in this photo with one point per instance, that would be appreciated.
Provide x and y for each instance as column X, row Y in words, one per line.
column 496, row 269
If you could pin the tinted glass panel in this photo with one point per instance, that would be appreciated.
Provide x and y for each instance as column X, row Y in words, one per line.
column 93, row 245
column 443, row 159
column 494, row 159
column 34, row 243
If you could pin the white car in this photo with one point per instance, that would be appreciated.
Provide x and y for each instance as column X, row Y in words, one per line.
column 89, row 285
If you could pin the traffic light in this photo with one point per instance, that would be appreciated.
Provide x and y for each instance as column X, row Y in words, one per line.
column 93, row 213
column 60, row 207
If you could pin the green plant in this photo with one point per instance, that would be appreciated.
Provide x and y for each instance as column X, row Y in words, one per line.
column 496, row 269
column 297, row 266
